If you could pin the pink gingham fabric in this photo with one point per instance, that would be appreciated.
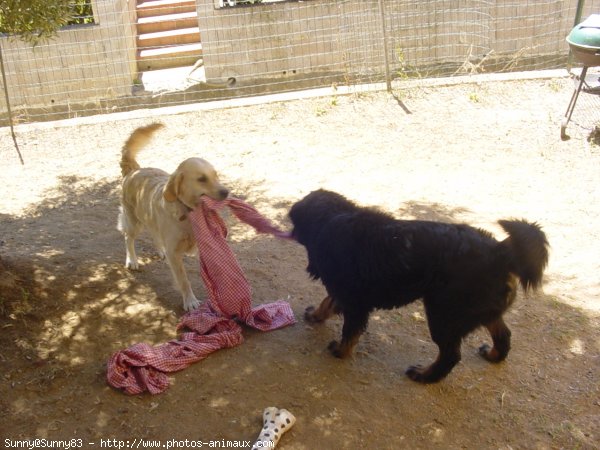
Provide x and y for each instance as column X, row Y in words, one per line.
column 144, row 367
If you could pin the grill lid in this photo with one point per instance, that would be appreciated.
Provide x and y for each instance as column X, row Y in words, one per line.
column 586, row 34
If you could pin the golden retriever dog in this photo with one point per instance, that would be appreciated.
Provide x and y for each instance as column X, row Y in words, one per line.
column 158, row 201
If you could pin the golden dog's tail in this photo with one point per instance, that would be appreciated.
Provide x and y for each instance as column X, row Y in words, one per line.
column 138, row 140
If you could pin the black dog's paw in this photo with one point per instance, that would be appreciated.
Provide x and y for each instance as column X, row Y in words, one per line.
column 490, row 354
column 420, row 374
column 334, row 348
column 415, row 373
column 484, row 351
column 309, row 315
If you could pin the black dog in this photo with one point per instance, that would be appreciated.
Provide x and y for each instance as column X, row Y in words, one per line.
column 367, row 259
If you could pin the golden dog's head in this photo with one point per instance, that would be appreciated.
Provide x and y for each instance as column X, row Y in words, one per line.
column 194, row 178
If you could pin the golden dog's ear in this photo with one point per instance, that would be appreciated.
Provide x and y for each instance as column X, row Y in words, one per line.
column 172, row 188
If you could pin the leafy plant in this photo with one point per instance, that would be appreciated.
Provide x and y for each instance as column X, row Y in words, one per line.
column 474, row 97
column 406, row 70
column 320, row 111
column 34, row 20
column 82, row 12
column 554, row 85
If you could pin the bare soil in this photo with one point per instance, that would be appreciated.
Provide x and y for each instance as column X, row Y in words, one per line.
column 472, row 152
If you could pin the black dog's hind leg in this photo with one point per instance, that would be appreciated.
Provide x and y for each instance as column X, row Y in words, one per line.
column 325, row 310
column 355, row 323
column 448, row 337
column 501, row 339
column 448, row 357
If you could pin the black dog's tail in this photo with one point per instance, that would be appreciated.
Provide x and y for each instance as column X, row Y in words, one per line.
column 528, row 247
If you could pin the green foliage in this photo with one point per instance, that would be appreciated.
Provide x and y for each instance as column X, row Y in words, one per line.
column 82, row 12
column 406, row 70
column 555, row 85
column 37, row 20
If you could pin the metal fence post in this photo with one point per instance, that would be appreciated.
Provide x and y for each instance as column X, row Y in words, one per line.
column 388, row 80
column 578, row 12
column 10, row 116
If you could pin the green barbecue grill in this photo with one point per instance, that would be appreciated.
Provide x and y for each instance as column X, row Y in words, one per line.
column 584, row 41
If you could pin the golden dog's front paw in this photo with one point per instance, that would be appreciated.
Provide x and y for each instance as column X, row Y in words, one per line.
column 191, row 303
column 132, row 265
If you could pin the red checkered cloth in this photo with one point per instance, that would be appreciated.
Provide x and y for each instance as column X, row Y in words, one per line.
column 143, row 367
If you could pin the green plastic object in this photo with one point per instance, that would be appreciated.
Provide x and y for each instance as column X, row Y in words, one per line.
column 587, row 34
column 584, row 40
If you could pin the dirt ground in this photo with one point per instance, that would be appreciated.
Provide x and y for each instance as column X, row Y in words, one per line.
column 470, row 152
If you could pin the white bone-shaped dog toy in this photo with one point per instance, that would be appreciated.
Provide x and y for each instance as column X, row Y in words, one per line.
column 275, row 422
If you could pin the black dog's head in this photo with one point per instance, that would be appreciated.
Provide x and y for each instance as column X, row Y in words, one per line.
column 311, row 213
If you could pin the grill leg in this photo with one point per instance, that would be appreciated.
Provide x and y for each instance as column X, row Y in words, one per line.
column 567, row 118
